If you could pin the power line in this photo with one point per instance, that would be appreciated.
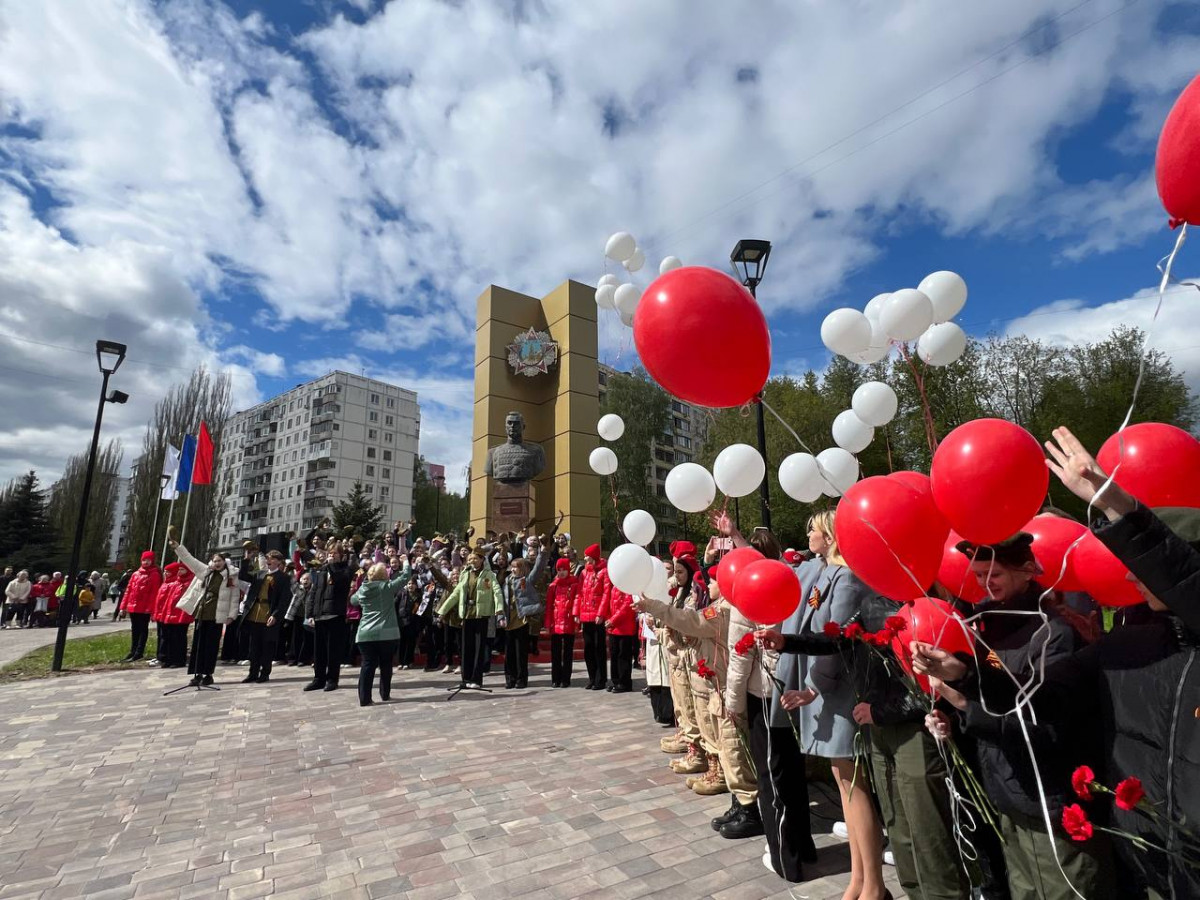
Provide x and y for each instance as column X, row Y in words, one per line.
column 88, row 352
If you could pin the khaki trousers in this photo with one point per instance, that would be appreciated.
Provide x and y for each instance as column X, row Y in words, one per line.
column 681, row 696
column 735, row 761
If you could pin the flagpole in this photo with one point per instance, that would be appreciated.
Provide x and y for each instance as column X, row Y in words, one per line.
column 157, row 506
column 167, row 533
column 186, row 506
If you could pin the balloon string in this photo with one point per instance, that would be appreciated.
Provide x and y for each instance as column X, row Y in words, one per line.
column 930, row 429
column 836, row 491
column 612, row 487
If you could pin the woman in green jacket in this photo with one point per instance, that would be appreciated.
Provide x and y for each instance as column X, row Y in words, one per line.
column 379, row 631
column 476, row 598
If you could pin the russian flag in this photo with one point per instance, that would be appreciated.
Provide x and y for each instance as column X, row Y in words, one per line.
column 187, row 458
column 202, row 471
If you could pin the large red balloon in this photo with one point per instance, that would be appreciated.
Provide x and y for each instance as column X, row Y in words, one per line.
column 1177, row 165
column 955, row 575
column 989, row 479
column 767, row 591
column 891, row 536
column 731, row 566
column 1160, row 466
column 1103, row 575
column 682, row 316
column 930, row 621
column 1052, row 538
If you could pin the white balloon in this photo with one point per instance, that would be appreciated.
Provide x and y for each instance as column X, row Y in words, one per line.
column 658, row 588
column 636, row 261
column 639, row 527
column 942, row 344
column 626, row 320
column 852, row 433
column 603, row 461
column 738, row 470
column 690, row 488
column 630, row 568
column 906, row 315
column 881, row 346
column 620, row 246
column 628, row 296
column 608, row 278
column 669, row 263
column 800, row 477
column 606, row 296
column 947, row 292
column 875, row 403
column 610, row 427
column 840, row 469
column 846, row 331
column 875, row 307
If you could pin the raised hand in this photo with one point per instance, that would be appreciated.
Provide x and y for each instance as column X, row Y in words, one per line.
column 1082, row 476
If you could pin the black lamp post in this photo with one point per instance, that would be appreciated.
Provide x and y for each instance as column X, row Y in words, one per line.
column 439, row 482
column 109, row 355
column 749, row 260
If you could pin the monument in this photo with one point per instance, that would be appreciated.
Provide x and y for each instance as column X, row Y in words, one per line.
column 536, row 407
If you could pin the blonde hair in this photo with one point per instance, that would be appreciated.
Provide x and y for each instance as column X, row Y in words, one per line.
column 377, row 572
column 824, row 523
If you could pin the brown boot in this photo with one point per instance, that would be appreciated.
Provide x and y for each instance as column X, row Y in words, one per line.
column 674, row 744
column 713, row 781
column 694, row 763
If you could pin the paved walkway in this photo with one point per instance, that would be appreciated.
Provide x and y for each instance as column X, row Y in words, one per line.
column 16, row 642
column 108, row 790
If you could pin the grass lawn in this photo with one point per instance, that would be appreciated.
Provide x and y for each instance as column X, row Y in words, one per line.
column 101, row 653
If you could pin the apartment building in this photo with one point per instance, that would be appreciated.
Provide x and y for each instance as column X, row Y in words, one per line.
column 287, row 461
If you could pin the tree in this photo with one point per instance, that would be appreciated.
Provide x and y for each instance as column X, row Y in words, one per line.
column 27, row 538
column 646, row 410
column 63, row 508
column 448, row 513
column 204, row 397
column 356, row 516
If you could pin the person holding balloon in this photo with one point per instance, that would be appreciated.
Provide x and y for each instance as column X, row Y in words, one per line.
column 680, row 662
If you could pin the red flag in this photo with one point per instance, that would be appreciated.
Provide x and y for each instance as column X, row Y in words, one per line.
column 202, row 469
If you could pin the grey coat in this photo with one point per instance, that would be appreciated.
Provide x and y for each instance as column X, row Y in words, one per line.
column 528, row 601
column 788, row 670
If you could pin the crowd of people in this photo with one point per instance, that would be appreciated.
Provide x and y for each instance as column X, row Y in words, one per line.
column 1081, row 741
column 33, row 601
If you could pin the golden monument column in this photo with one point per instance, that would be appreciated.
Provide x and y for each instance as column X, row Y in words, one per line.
column 536, row 358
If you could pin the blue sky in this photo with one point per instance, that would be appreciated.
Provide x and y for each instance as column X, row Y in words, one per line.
column 278, row 188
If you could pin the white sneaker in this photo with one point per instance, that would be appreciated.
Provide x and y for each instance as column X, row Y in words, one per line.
column 840, row 830
column 447, row 671
column 888, row 858
column 457, row 670
column 766, row 858
column 153, row 662
column 474, row 686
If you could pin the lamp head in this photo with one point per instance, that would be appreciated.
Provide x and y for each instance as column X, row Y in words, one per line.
column 110, row 355
column 749, row 260
column 116, row 397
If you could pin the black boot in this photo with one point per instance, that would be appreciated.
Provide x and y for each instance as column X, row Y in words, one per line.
column 726, row 816
column 315, row 686
column 746, row 823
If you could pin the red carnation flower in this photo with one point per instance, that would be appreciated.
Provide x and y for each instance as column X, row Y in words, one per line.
column 1075, row 822
column 1130, row 793
column 744, row 644
column 833, row 629
column 703, row 670
column 854, row 631
column 895, row 624
column 882, row 638
column 1081, row 782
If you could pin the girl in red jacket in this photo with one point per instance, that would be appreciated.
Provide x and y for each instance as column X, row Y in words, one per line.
column 620, row 619
column 174, row 620
column 138, row 603
column 594, row 591
column 157, row 616
column 562, row 620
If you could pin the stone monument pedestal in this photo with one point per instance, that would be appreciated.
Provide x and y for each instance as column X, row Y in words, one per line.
column 513, row 505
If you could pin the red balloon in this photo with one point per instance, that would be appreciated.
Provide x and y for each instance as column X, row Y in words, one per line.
column 891, row 536
column 918, row 481
column 1160, row 464
column 955, row 573
column 731, row 566
column 768, row 590
column 989, row 478
column 1177, row 164
column 1052, row 538
column 680, row 315
column 1103, row 575
column 929, row 620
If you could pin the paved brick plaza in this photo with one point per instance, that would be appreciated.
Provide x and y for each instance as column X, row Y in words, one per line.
column 109, row 790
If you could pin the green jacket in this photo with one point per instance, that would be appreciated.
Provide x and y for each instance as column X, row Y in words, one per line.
column 378, row 602
column 487, row 599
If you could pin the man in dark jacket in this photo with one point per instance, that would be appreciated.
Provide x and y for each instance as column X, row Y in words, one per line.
column 326, row 612
column 265, row 604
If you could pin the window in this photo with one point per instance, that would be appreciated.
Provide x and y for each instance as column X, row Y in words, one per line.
column 387, row 455
column 370, row 453
column 370, row 488
column 684, row 442
column 387, row 437
column 389, row 421
column 604, row 378
column 383, row 492
column 289, row 425
column 373, row 416
column 682, row 425
column 372, row 434
column 375, row 399
column 391, row 402
column 683, row 457
column 677, row 406
column 385, row 473
column 370, row 471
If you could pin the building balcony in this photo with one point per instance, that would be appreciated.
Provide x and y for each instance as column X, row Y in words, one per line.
column 322, row 450
column 318, row 503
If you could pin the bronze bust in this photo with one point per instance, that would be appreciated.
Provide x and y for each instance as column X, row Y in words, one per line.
column 515, row 462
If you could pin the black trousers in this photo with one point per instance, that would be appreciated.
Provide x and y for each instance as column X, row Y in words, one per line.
column 375, row 655
column 621, row 649
column 516, row 657
column 139, row 633
column 662, row 705
column 160, row 643
column 782, row 792
column 474, row 646
column 562, row 658
column 260, row 648
column 302, row 644
column 448, row 643
column 410, row 633
column 329, row 647
column 174, row 642
column 593, row 653
column 286, row 635
column 206, row 641
column 351, row 642
column 231, row 647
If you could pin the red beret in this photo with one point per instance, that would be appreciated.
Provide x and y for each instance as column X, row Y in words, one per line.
column 171, row 568
column 563, row 565
column 593, row 551
column 712, row 573
column 682, row 548
column 792, row 557
column 148, row 555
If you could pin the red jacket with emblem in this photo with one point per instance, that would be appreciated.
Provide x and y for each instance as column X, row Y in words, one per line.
column 170, row 573
column 593, row 592
column 562, row 605
column 141, row 591
column 618, row 611
column 171, row 614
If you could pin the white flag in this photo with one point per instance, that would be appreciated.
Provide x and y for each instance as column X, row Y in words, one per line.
column 170, row 470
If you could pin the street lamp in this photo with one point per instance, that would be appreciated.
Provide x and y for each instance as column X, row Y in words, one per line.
column 109, row 356
column 439, row 482
column 749, row 259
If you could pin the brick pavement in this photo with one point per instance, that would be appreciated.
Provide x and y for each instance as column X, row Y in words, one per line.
column 109, row 790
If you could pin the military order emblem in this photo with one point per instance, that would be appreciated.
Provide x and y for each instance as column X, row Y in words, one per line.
column 532, row 353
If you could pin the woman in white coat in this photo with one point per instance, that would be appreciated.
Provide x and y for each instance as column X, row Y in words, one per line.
column 212, row 600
